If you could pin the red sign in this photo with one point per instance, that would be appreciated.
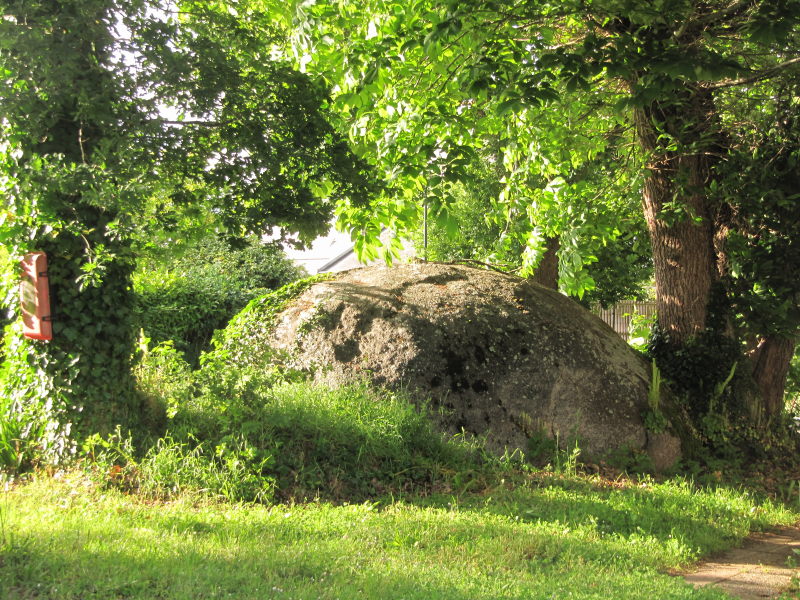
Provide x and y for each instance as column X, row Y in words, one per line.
column 35, row 297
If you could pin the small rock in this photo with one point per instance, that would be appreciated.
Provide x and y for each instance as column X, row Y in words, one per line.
column 663, row 449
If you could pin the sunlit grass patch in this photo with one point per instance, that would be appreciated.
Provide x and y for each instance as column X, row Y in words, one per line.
column 568, row 537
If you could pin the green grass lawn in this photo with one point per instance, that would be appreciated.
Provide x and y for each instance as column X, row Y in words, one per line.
column 540, row 537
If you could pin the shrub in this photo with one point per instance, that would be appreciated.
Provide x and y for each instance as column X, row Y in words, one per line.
column 163, row 378
column 230, row 356
column 187, row 300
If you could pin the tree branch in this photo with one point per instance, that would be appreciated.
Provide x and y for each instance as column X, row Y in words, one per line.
column 201, row 123
column 734, row 9
column 765, row 74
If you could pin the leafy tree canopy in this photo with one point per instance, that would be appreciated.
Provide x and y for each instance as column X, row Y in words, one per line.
column 423, row 84
column 426, row 88
column 119, row 100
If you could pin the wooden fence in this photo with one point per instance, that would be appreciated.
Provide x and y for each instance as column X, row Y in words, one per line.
column 619, row 316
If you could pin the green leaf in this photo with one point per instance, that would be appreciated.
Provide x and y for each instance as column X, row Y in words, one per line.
column 508, row 106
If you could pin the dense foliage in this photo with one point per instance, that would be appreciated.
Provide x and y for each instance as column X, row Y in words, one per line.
column 112, row 110
column 619, row 268
column 189, row 297
column 761, row 181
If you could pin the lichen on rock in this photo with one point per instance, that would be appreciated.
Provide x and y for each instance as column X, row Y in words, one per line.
column 498, row 356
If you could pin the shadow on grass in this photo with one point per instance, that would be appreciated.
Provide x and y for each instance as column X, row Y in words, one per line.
column 702, row 520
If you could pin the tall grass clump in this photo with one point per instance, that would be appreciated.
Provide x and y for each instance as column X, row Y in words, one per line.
column 12, row 455
column 351, row 442
column 292, row 440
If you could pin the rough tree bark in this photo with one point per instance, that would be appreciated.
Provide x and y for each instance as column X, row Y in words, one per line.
column 677, row 213
column 771, row 361
column 547, row 272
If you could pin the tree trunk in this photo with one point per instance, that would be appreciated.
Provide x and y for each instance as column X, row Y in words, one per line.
column 547, row 272
column 770, row 367
column 683, row 259
column 688, row 236
column 677, row 213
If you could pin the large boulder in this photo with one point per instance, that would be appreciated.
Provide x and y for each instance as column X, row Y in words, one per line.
column 500, row 356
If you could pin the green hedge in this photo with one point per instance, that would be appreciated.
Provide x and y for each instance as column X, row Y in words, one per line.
column 187, row 300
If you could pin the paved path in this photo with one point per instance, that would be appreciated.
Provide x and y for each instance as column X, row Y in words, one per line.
column 762, row 568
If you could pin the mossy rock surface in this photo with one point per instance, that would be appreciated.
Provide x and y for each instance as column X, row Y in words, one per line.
column 497, row 355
